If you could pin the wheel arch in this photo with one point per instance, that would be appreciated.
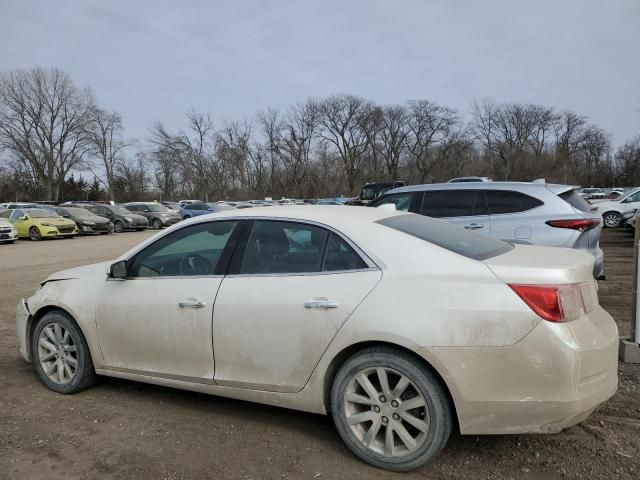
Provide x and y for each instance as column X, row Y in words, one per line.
column 341, row 357
column 34, row 318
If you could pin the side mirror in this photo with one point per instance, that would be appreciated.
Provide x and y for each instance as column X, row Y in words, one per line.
column 118, row 269
column 24, row 217
column 146, row 210
column 65, row 216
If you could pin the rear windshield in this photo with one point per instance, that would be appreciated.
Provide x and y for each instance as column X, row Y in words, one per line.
column 454, row 238
column 574, row 199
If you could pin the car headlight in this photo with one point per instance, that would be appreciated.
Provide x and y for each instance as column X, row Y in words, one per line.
column 46, row 224
column 89, row 223
column 128, row 219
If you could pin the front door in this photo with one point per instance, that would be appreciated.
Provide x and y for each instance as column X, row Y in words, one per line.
column 158, row 320
column 290, row 289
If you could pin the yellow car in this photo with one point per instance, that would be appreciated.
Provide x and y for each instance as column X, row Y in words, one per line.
column 39, row 223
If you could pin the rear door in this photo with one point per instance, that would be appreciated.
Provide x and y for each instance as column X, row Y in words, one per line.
column 514, row 217
column 464, row 207
column 290, row 288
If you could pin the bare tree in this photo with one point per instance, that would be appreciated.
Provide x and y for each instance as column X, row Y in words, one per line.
column 429, row 125
column 340, row 124
column 393, row 137
column 43, row 123
column 104, row 136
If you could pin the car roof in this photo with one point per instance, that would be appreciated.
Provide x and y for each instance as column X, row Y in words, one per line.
column 521, row 186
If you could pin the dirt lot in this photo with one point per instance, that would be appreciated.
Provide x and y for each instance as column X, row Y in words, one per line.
column 122, row 429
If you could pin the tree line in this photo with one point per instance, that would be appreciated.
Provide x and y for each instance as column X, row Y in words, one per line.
column 53, row 133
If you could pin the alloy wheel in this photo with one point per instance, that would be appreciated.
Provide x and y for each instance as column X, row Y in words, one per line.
column 611, row 219
column 386, row 412
column 57, row 353
column 34, row 234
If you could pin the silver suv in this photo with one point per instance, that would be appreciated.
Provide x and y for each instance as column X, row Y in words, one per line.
column 533, row 213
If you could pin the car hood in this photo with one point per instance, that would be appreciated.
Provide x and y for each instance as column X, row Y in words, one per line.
column 54, row 220
column 95, row 270
column 532, row 264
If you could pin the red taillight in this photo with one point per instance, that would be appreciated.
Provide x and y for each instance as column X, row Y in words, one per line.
column 541, row 299
column 581, row 224
column 558, row 303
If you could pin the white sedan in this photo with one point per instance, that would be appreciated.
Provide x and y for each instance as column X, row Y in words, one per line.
column 399, row 326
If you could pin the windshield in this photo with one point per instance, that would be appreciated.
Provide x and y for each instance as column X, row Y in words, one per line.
column 120, row 211
column 451, row 237
column 79, row 212
column 41, row 213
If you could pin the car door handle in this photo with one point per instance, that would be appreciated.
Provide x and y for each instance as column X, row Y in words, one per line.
column 324, row 304
column 191, row 303
column 473, row 226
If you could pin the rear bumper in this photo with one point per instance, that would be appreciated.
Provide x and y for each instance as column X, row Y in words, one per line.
column 554, row 377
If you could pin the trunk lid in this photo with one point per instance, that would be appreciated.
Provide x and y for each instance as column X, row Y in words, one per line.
column 530, row 264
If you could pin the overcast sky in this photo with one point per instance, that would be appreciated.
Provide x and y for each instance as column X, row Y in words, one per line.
column 154, row 60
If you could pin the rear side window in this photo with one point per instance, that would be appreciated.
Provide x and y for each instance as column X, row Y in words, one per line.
column 340, row 256
column 507, row 201
column 455, row 239
column 574, row 199
column 453, row 203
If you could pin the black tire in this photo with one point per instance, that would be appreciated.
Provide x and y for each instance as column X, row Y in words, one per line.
column 84, row 375
column 436, row 405
column 156, row 223
column 118, row 226
column 611, row 219
column 34, row 234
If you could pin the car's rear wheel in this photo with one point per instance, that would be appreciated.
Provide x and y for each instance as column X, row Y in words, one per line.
column 34, row 234
column 390, row 411
column 118, row 226
column 156, row 223
column 611, row 219
column 61, row 354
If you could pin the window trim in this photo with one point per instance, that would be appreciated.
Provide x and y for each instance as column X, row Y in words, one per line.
column 238, row 254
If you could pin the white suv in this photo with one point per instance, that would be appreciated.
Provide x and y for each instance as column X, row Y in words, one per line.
column 613, row 210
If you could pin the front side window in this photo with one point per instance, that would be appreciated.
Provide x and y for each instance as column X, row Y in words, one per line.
column 402, row 201
column 507, row 201
column 6, row 213
column 17, row 214
column 190, row 251
column 289, row 247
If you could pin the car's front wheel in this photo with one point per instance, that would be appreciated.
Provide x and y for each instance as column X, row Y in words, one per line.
column 34, row 234
column 611, row 219
column 61, row 354
column 390, row 410
column 156, row 224
column 118, row 226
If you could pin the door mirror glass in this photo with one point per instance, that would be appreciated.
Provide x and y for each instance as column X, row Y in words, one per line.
column 118, row 270
column 24, row 217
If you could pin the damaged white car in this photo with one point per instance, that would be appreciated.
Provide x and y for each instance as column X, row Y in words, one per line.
column 399, row 326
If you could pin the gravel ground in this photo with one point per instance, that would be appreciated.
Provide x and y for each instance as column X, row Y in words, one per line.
column 125, row 430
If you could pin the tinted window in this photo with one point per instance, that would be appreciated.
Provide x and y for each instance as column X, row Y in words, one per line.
column 402, row 201
column 340, row 256
column 284, row 247
column 574, row 199
column 632, row 198
column 133, row 208
column 453, row 203
column 17, row 214
column 5, row 214
column 455, row 239
column 507, row 201
column 190, row 251
column 197, row 206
